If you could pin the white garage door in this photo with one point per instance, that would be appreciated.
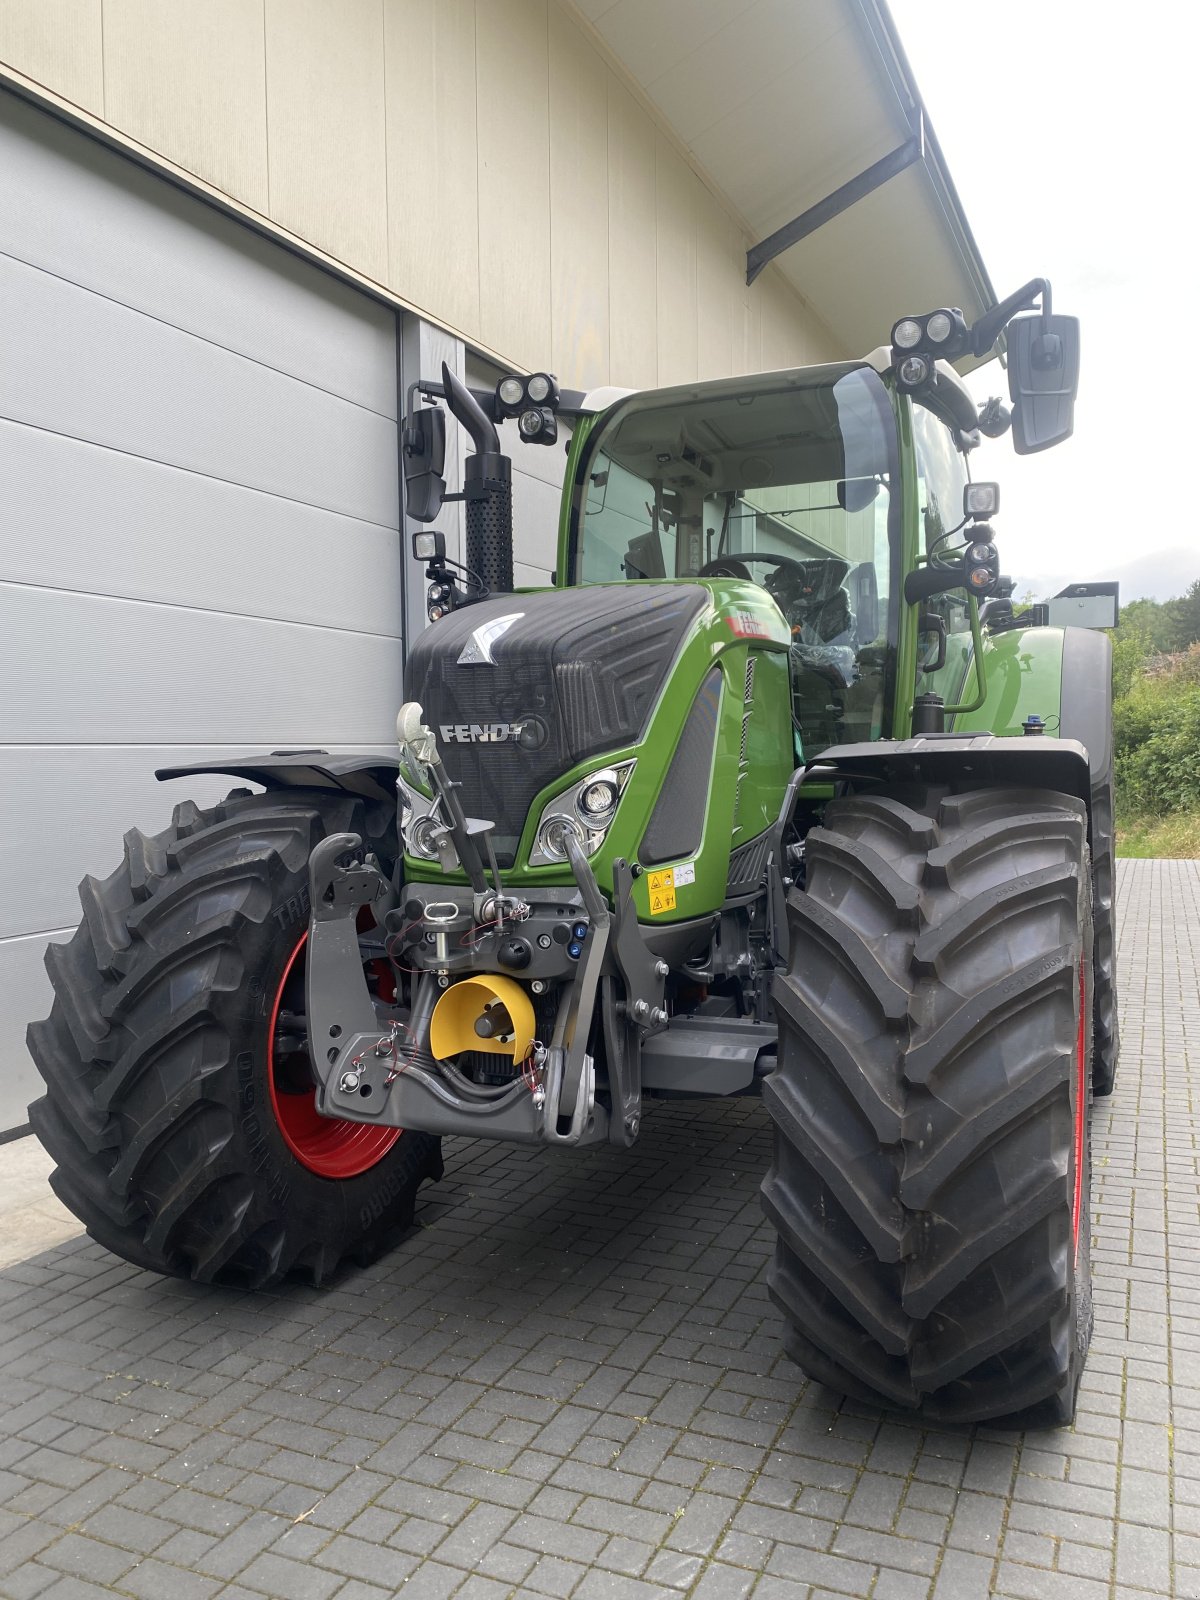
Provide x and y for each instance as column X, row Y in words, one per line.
column 198, row 521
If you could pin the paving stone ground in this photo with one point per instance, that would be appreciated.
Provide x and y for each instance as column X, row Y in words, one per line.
column 568, row 1383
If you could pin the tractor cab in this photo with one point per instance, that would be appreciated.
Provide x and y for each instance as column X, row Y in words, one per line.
column 787, row 481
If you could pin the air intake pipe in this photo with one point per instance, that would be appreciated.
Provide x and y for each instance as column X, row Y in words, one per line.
column 487, row 490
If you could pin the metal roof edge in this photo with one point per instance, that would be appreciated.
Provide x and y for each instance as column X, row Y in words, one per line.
column 881, row 27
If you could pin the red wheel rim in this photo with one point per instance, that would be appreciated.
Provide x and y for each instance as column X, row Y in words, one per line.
column 331, row 1147
column 1081, row 1109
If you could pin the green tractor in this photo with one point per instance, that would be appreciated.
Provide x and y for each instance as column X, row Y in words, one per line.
column 770, row 794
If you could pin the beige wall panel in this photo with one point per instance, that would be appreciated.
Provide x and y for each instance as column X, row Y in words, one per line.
column 433, row 210
column 719, row 286
column 325, row 126
column 632, row 242
column 789, row 338
column 57, row 43
column 514, row 179
column 578, row 205
column 779, row 340
column 189, row 80
column 678, row 190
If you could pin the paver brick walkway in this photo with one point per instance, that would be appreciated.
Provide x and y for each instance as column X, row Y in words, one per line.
column 568, row 1383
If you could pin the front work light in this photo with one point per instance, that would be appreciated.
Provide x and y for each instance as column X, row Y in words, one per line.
column 511, row 393
column 429, row 546
column 906, row 334
column 539, row 388
column 981, row 499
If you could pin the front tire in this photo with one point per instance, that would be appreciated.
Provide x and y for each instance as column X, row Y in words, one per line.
column 178, row 1105
column 930, row 1177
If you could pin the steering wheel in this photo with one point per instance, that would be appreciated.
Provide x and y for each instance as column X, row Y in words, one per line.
column 735, row 566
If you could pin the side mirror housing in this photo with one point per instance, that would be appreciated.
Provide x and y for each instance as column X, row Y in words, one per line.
column 856, row 494
column 1043, row 379
column 424, row 459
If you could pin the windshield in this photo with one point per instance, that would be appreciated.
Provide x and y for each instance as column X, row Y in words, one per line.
column 785, row 479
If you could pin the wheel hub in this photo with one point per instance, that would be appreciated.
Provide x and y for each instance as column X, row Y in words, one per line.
column 332, row 1147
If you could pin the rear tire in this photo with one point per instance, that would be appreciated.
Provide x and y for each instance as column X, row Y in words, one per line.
column 1107, row 1047
column 163, row 1067
column 930, row 1177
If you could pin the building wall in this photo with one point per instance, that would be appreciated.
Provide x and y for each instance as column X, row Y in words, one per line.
column 483, row 160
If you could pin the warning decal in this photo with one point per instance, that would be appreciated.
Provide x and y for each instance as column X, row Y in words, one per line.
column 662, row 891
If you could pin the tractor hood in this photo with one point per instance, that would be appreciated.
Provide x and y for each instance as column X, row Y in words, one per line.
column 522, row 688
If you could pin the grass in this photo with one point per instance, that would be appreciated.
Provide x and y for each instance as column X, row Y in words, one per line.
column 1169, row 838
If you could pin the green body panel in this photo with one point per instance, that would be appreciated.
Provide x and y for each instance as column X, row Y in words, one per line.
column 1023, row 674
column 744, row 794
column 907, row 637
column 584, row 429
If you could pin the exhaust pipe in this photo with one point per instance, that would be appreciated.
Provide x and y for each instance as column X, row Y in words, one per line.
column 487, row 490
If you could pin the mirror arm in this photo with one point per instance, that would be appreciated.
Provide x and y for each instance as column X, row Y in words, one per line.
column 992, row 324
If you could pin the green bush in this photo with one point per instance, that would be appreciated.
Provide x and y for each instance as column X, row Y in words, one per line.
column 1156, row 737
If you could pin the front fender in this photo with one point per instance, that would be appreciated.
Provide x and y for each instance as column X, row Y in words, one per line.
column 367, row 774
column 961, row 758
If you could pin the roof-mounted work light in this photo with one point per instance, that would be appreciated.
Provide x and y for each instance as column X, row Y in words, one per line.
column 524, row 397
column 943, row 334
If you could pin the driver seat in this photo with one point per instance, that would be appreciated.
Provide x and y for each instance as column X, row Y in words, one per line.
column 819, row 604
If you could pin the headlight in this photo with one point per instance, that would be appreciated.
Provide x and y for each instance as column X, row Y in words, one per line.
column 417, row 824
column 937, row 328
column 538, row 388
column 598, row 801
column 906, row 334
column 418, row 838
column 511, row 391
column 550, row 844
column 587, row 808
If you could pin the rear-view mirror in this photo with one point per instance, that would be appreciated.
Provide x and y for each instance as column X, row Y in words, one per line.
column 424, row 458
column 1043, row 378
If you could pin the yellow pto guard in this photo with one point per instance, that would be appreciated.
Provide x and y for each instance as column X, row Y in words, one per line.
column 453, row 1026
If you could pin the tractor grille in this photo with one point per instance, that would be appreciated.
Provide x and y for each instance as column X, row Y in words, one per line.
column 575, row 675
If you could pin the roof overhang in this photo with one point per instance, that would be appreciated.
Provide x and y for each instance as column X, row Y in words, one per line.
column 806, row 112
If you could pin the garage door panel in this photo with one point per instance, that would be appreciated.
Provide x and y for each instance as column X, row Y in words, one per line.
column 24, row 998
column 120, row 379
column 133, row 238
column 200, row 551
column 79, row 516
column 535, row 508
column 88, row 797
column 95, row 670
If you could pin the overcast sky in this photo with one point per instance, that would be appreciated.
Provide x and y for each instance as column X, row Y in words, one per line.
column 1069, row 130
